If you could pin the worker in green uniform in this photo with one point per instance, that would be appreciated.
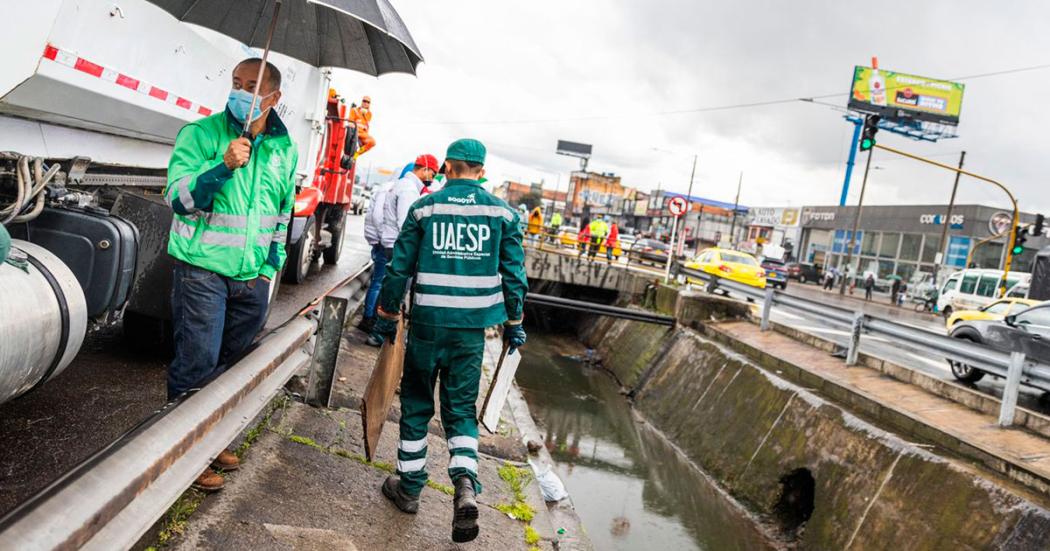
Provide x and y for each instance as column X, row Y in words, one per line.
column 463, row 247
column 599, row 229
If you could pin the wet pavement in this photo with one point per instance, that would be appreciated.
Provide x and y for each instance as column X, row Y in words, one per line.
column 109, row 389
column 630, row 487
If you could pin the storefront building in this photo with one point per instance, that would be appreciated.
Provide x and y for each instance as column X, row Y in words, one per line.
column 904, row 239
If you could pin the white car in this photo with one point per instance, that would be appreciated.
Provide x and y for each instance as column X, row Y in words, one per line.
column 973, row 288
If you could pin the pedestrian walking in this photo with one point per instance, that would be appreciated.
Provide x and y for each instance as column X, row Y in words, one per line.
column 463, row 246
column 895, row 289
column 380, row 258
column 399, row 199
column 869, row 284
column 583, row 238
column 232, row 198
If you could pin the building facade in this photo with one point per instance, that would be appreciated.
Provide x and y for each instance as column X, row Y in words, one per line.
column 905, row 239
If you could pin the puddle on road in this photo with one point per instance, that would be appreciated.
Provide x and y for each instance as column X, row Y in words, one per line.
column 630, row 487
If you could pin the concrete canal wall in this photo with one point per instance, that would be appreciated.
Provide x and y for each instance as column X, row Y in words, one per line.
column 778, row 447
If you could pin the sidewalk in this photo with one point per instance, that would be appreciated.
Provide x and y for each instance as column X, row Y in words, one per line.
column 879, row 305
column 305, row 484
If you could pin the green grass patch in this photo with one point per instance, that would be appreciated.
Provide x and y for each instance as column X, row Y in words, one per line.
column 517, row 479
column 532, row 537
column 306, row 441
column 255, row 432
column 178, row 515
column 519, row 510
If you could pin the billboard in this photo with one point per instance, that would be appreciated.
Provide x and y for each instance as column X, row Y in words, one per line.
column 574, row 149
column 899, row 95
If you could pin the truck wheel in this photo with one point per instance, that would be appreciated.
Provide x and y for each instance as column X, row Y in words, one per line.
column 301, row 255
column 336, row 225
column 801, row 278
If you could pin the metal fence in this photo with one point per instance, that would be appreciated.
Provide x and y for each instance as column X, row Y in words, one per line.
column 1013, row 367
column 111, row 499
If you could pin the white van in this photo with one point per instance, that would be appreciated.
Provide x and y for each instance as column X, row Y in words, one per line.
column 973, row 288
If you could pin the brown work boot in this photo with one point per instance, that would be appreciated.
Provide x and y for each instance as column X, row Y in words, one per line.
column 226, row 461
column 209, row 481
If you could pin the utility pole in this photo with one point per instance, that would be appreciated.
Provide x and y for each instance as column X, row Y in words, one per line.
column 856, row 223
column 947, row 222
column 736, row 205
column 688, row 206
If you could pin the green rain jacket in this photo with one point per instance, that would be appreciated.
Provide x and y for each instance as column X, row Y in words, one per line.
column 463, row 247
column 231, row 222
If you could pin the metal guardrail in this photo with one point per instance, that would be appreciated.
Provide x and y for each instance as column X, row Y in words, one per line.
column 599, row 309
column 111, row 499
column 1013, row 366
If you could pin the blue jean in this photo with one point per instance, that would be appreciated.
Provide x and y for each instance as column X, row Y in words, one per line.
column 215, row 319
column 380, row 258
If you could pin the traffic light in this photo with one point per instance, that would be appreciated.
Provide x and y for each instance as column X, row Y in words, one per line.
column 867, row 135
column 1020, row 235
column 1037, row 228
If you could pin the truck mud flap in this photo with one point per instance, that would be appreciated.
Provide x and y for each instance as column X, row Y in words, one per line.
column 151, row 292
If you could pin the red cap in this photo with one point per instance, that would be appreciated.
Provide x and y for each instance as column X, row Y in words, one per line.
column 427, row 160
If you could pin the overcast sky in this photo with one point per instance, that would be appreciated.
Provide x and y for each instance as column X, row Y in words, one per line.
column 521, row 75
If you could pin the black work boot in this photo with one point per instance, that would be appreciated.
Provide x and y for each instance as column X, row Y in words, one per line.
column 392, row 490
column 465, row 505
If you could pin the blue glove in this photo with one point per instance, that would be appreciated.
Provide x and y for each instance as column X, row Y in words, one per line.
column 515, row 335
column 385, row 327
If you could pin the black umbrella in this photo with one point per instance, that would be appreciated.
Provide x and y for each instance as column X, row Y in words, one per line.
column 360, row 35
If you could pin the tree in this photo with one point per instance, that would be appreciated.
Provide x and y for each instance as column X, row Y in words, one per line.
column 531, row 200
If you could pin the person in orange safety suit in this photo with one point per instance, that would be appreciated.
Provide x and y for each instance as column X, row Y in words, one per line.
column 361, row 116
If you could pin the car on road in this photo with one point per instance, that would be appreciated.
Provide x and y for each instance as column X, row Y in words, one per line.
column 729, row 264
column 973, row 288
column 567, row 235
column 804, row 272
column 1027, row 331
column 776, row 272
column 994, row 311
column 650, row 250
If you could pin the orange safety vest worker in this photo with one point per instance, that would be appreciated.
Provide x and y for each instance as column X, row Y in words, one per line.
column 536, row 221
column 361, row 116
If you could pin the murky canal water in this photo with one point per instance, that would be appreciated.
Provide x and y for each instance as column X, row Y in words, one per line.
column 630, row 488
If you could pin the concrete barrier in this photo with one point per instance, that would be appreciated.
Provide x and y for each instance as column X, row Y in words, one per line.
column 759, row 435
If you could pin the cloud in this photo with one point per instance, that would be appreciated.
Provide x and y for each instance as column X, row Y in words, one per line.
column 597, row 72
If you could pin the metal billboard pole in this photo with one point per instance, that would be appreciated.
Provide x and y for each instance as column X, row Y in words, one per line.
column 849, row 162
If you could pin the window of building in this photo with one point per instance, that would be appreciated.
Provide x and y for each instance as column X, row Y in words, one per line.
column 888, row 247
column 869, row 243
column 885, row 268
column 905, row 270
column 911, row 244
column 929, row 249
column 988, row 255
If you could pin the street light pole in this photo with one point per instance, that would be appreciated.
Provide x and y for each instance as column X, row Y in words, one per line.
column 856, row 222
column 736, row 205
column 947, row 221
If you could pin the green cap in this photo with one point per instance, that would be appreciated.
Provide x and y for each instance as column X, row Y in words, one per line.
column 466, row 149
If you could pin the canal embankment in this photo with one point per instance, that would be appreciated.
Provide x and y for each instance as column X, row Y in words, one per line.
column 811, row 453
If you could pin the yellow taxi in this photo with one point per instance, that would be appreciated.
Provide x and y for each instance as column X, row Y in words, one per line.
column 729, row 264
column 994, row 311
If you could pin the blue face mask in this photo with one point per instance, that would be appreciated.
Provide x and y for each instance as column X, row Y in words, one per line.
column 241, row 100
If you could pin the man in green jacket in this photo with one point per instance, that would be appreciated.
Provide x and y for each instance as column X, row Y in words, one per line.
column 232, row 198
column 462, row 246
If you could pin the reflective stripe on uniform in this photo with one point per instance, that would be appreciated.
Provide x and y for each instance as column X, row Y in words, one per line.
column 267, row 221
column 184, row 194
column 182, row 229
column 219, row 219
column 493, row 211
column 223, row 238
column 412, row 446
column 463, row 442
column 449, row 280
column 264, row 239
column 462, row 461
column 453, row 301
column 414, row 465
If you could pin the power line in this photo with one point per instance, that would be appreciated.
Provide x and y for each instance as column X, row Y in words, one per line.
column 715, row 108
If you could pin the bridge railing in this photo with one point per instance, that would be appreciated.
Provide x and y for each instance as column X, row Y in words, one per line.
column 111, row 499
column 553, row 239
column 1013, row 367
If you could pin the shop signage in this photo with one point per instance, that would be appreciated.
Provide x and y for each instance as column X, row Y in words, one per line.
column 937, row 219
column 773, row 216
column 817, row 216
column 1000, row 222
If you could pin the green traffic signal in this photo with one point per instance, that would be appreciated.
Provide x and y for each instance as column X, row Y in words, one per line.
column 866, row 144
column 1018, row 250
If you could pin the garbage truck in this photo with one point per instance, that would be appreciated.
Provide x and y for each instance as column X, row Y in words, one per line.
column 92, row 95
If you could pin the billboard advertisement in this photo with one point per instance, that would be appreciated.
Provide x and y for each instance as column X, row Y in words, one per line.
column 573, row 149
column 888, row 93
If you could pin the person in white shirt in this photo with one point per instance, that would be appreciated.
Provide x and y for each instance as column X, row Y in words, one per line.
column 395, row 203
column 373, row 235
